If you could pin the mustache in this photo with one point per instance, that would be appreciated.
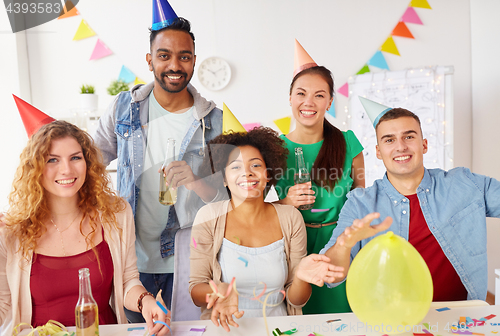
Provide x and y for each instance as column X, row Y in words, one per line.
column 163, row 74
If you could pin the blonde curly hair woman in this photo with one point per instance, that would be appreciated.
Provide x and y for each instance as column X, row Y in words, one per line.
column 64, row 216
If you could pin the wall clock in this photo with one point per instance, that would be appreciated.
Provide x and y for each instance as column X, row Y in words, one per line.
column 214, row 73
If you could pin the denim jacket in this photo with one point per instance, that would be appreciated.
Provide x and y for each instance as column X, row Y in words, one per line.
column 122, row 133
column 455, row 205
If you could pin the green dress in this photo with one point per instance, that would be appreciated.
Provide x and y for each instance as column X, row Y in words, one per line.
column 323, row 299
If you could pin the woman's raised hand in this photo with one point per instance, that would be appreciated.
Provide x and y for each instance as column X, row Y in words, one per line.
column 316, row 269
column 224, row 308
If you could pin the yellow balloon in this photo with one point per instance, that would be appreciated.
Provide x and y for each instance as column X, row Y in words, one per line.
column 389, row 285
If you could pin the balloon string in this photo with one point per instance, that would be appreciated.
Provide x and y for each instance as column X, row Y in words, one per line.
column 50, row 328
column 232, row 286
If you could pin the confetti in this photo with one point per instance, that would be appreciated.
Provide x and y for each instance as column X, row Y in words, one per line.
column 319, row 210
column 244, row 260
column 135, row 328
column 442, row 309
column 194, row 243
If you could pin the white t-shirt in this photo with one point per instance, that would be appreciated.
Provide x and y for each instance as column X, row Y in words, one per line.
column 151, row 216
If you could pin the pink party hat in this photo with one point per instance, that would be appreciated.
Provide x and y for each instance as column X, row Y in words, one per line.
column 302, row 60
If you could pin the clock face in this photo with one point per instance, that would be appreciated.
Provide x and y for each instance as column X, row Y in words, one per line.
column 214, row 73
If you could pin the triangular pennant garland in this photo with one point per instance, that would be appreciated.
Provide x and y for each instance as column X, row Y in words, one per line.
column 83, row 31
column 284, row 124
column 378, row 60
column 251, row 126
column 402, row 30
column 344, row 90
column 331, row 110
column 363, row 70
column 138, row 81
column 126, row 75
column 72, row 12
column 100, row 51
column 410, row 16
column 420, row 4
column 390, row 47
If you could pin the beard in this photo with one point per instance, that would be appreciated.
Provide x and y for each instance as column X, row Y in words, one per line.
column 172, row 88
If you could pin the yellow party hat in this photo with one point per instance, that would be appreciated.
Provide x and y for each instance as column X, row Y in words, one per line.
column 229, row 121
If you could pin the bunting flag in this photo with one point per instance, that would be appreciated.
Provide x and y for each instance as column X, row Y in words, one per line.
column 378, row 60
column 331, row 110
column 390, row 47
column 363, row 70
column 410, row 16
column 126, row 75
column 402, row 30
column 72, row 11
column 100, row 51
column 138, row 81
column 251, row 126
column 344, row 90
column 420, row 4
column 83, row 31
column 284, row 124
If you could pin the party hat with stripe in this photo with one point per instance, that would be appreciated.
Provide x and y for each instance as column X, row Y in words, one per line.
column 163, row 14
column 302, row 60
column 374, row 110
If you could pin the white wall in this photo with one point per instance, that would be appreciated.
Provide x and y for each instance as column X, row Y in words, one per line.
column 485, row 112
column 256, row 38
column 14, row 79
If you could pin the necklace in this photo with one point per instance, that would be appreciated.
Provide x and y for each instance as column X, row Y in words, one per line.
column 60, row 232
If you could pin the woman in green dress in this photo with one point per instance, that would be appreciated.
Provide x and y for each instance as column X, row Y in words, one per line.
column 335, row 162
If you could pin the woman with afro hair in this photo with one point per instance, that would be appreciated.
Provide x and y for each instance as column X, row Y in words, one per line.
column 250, row 240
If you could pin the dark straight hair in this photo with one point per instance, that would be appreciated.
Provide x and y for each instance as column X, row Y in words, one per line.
column 331, row 156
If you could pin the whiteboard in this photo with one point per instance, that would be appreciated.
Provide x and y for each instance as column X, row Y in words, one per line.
column 427, row 92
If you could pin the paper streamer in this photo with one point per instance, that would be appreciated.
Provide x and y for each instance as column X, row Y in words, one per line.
column 50, row 328
column 83, row 31
column 100, row 51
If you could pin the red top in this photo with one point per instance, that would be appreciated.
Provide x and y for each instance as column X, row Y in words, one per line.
column 447, row 283
column 54, row 286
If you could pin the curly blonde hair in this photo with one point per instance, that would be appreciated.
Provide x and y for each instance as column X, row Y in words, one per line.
column 28, row 205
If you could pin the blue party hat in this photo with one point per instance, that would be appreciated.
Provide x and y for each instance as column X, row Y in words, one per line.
column 374, row 110
column 163, row 14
